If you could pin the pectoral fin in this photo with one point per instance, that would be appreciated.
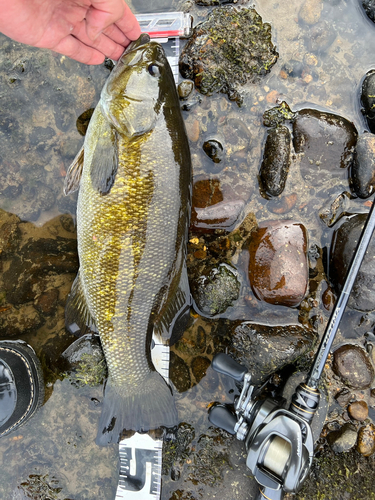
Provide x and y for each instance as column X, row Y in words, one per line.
column 104, row 162
column 78, row 319
column 73, row 176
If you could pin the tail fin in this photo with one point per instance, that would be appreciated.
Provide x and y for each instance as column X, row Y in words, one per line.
column 151, row 407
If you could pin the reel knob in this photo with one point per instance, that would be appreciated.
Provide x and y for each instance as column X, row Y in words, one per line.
column 222, row 417
column 224, row 364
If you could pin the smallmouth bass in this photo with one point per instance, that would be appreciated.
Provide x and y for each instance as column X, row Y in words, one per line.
column 134, row 179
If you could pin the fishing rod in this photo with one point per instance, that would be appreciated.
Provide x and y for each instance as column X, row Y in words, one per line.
column 279, row 441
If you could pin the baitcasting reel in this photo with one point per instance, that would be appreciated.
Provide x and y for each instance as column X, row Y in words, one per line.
column 279, row 441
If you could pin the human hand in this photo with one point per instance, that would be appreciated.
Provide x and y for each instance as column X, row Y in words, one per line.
column 85, row 30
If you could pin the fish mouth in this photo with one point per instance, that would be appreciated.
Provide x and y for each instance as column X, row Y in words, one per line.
column 143, row 39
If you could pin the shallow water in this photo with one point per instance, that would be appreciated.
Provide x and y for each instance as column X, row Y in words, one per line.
column 41, row 96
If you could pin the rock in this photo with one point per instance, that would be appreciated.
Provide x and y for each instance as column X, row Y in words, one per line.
column 284, row 204
column 46, row 303
column 86, row 360
column 326, row 142
column 310, row 11
column 278, row 266
column 214, row 150
column 369, row 8
column 216, row 290
column 179, row 373
column 331, row 212
column 276, row 159
column 221, row 67
column 352, row 364
column 265, row 349
column 278, row 115
column 320, row 37
column 38, row 259
column 344, row 439
column 366, row 440
column 358, row 410
column 362, row 173
column 344, row 242
column 368, row 99
column 344, row 397
column 199, row 366
column 185, row 88
column 16, row 321
column 68, row 223
column 10, row 234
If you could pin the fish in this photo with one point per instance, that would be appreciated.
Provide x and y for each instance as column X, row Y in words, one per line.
column 134, row 179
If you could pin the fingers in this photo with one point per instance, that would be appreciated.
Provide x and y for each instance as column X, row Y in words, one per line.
column 103, row 13
column 75, row 49
column 102, row 43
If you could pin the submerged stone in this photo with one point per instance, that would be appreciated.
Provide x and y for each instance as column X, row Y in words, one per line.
column 344, row 242
column 368, row 99
column 231, row 47
column 362, row 174
column 326, row 142
column 343, row 439
column 265, row 349
column 366, row 440
column 276, row 159
column 216, row 290
column 278, row 266
column 214, row 150
column 277, row 115
column 352, row 364
column 369, row 8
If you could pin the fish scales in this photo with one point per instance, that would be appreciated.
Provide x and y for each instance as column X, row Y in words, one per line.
column 132, row 236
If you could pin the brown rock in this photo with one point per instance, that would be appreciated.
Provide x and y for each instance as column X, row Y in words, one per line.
column 352, row 364
column 366, row 440
column 278, row 267
column 358, row 410
column 199, row 366
column 310, row 11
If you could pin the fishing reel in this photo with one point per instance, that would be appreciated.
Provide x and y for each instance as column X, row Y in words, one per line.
column 278, row 441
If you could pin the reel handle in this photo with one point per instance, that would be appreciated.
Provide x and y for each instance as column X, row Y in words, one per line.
column 224, row 364
column 221, row 417
column 270, row 494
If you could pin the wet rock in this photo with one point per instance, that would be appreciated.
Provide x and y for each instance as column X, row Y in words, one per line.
column 368, row 99
column 10, row 234
column 276, row 159
column 216, row 290
column 352, row 364
column 199, row 366
column 344, row 242
column 68, row 223
column 278, row 115
column 358, row 410
column 39, row 258
column 369, row 8
column 16, row 321
column 278, row 268
column 366, row 440
column 179, row 373
column 343, row 397
column 214, row 150
column 176, row 451
column 46, row 303
column 331, row 212
column 185, row 88
column 343, row 439
column 326, row 142
column 310, row 11
column 283, row 204
column 362, row 173
column 86, row 361
column 265, row 349
column 213, row 206
column 320, row 37
column 221, row 67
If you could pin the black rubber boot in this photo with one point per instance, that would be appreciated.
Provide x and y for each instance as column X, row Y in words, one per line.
column 21, row 384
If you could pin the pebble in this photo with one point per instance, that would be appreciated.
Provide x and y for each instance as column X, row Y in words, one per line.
column 185, row 88
column 362, row 173
column 358, row 410
column 343, row 439
column 278, row 267
column 192, row 129
column 276, row 159
column 352, row 364
column 366, row 440
column 310, row 11
column 368, row 99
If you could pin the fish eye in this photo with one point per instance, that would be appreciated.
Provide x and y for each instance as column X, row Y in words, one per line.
column 154, row 70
